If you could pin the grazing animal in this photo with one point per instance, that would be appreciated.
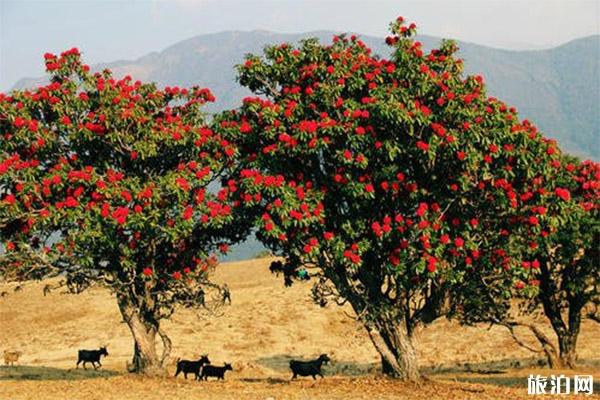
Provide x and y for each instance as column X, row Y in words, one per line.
column 92, row 356
column 18, row 288
column 218, row 372
column 4, row 294
column 11, row 356
column 288, row 270
column 226, row 294
column 191, row 367
column 309, row 368
column 276, row 267
column 47, row 289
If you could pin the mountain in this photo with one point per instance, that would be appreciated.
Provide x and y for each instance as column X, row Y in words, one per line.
column 558, row 88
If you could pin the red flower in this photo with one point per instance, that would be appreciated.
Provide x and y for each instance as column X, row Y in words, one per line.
column 431, row 264
column 120, row 215
column 125, row 195
column 245, row 127
column 563, row 194
column 328, row 235
column 461, row 155
column 10, row 199
column 176, row 275
column 519, row 285
column 188, row 212
column 183, row 184
column 19, row 122
column 71, row 202
column 423, row 207
column 421, row 145
column 52, row 66
column 459, row 242
column 541, row 210
column 147, row 271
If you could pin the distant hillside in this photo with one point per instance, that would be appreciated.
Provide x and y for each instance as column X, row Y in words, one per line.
column 557, row 88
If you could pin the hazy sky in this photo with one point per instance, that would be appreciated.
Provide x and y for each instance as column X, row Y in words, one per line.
column 110, row 30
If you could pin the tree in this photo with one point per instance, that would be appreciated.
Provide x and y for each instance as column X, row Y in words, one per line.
column 390, row 180
column 561, row 248
column 106, row 182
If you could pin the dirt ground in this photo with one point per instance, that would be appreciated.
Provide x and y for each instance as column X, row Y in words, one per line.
column 266, row 325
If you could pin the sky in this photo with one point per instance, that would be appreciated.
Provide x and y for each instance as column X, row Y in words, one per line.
column 110, row 30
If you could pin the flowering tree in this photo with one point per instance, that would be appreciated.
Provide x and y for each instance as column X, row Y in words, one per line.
column 390, row 180
column 561, row 248
column 105, row 181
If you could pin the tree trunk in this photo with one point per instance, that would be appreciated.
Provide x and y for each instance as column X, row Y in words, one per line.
column 549, row 349
column 567, row 333
column 144, row 329
column 567, row 343
column 568, row 352
column 396, row 348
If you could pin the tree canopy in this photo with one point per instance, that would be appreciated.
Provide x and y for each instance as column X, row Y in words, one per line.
column 393, row 179
column 106, row 181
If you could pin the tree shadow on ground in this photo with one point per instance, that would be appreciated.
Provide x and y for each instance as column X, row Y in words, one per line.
column 498, row 366
column 281, row 363
column 269, row 380
column 495, row 373
column 42, row 373
column 492, row 370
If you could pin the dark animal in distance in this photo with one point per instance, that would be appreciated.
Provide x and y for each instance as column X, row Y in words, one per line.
column 289, row 271
column 309, row 368
column 218, row 372
column 226, row 294
column 191, row 367
column 92, row 356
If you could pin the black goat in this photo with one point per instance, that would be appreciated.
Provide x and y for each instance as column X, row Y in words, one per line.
column 92, row 356
column 309, row 368
column 289, row 271
column 191, row 367
column 226, row 294
column 218, row 372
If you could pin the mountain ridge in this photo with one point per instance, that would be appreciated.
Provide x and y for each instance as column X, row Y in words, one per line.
column 556, row 88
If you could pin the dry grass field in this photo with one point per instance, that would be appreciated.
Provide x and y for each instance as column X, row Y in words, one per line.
column 265, row 326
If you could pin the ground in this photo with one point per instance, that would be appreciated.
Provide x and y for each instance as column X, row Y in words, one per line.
column 265, row 326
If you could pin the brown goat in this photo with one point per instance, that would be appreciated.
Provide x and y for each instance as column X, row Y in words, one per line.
column 11, row 356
